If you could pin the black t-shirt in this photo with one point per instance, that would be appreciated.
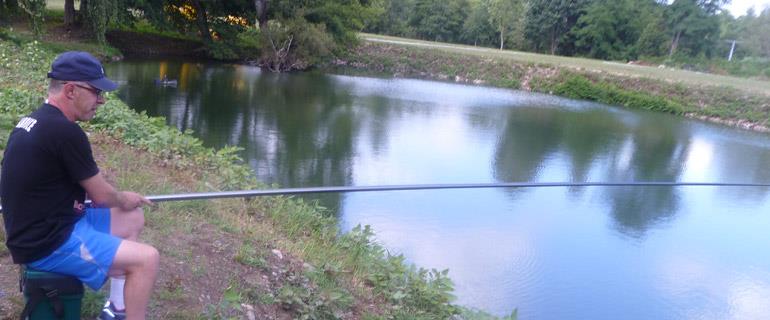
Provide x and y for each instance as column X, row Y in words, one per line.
column 45, row 158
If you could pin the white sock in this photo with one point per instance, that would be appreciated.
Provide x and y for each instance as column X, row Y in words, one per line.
column 116, row 293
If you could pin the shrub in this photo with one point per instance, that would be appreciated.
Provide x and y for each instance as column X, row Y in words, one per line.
column 294, row 44
column 579, row 87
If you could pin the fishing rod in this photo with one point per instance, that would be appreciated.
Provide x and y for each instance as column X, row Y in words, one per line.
column 346, row 189
column 407, row 187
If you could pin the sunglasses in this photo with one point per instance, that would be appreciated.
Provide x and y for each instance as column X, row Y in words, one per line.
column 95, row 91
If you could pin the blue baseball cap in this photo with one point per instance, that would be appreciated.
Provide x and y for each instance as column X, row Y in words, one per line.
column 81, row 66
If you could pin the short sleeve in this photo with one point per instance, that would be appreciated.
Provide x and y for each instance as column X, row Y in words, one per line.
column 76, row 154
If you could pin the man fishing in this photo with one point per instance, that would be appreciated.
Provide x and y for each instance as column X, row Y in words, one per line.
column 48, row 170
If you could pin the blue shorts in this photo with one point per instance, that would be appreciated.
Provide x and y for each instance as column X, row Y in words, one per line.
column 89, row 251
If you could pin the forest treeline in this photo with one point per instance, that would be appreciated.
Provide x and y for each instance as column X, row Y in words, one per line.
column 295, row 34
column 602, row 29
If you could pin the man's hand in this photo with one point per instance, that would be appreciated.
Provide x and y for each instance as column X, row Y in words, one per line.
column 131, row 200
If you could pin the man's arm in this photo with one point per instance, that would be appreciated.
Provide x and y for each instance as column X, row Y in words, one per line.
column 103, row 193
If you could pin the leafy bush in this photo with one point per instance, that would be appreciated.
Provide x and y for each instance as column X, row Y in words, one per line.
column 145, row 27
column 221, row 51
column 7, row 34
column 579, row 87
column 249, row 44
column 294, row 44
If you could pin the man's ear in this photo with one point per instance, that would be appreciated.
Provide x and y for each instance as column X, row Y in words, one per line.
column 69, row 91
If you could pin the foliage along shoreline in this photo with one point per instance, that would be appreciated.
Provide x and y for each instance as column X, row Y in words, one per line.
column 341, row 272
column 723, row 105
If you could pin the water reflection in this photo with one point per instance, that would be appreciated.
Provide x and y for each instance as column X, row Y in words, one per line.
column 295, row 131
column 650, row 150
column 630, row 252
column 654, row 150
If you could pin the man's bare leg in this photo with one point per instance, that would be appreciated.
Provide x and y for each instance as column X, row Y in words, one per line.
column 139, row 263
column 135, row 265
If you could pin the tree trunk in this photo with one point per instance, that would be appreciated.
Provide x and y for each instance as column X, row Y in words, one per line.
column 674, row 43
column 502, row 36
column 261, row 6
column 553, row 43
column 10, row 7
column 201, row 19
column 82, row 15
column 3, row 14
column 69, row 13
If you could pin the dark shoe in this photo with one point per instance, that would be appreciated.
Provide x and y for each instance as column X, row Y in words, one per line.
column 109, row 313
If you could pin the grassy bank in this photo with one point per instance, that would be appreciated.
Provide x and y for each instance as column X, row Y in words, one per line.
column 276, row 257
column 734, row 101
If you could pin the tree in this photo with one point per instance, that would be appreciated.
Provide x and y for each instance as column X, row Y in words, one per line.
column 35, row 9
column 394, row 18
column 694, row 26
column 202, row 20
column 8, row 8
column 298, row 33
column 505, row 15
column 295, row 44
column 757, row 37
column 477, row 29
column 439, row 20
column 549, row 21
column 610, row 29
column 69, row 12
column 261, row 7
column 654, row 39
column 341, row 18
column 83, row 9
column 98, row 14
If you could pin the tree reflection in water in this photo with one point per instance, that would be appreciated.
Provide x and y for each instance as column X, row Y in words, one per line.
column 655, row 152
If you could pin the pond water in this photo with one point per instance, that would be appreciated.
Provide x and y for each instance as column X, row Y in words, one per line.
column 551, row 253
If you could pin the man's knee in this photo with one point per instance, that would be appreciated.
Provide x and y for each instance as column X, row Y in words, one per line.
column 127, row 224
column 153, row 256
column 151, row 260
column 135, row 257
column 147, row 256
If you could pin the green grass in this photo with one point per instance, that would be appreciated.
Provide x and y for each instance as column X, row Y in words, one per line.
column 617, row 68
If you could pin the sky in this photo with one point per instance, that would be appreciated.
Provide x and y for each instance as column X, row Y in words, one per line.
column 738, row 7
